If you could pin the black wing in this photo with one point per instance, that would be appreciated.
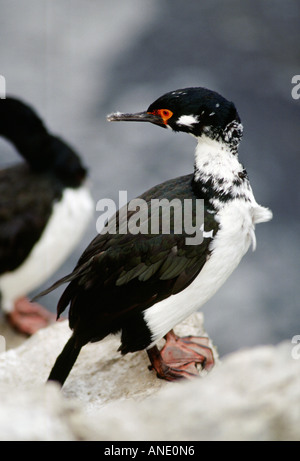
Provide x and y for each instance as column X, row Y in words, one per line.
column 120, row 275
column 26, row 201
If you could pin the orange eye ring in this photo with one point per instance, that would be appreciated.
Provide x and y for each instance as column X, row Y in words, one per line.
column 165, row 114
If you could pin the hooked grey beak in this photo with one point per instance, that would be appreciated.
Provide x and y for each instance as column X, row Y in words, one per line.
column 137, row 117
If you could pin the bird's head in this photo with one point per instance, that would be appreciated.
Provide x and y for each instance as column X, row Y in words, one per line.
column 197, row 111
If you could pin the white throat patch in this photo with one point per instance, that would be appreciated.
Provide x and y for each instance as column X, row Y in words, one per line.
column 187, row 120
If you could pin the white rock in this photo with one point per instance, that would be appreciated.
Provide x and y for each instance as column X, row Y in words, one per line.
column 253, row 395
column 100, row 374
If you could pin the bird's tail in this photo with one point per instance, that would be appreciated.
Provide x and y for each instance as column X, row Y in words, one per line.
column 65, row 361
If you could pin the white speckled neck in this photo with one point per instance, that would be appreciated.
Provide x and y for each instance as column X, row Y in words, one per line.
column 215, row 159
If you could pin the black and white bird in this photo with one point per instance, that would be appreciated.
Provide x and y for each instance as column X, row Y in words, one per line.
column 143, row 284
column 45, row 206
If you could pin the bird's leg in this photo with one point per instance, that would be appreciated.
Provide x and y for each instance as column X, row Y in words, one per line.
column 28, row 318
column 179, row 357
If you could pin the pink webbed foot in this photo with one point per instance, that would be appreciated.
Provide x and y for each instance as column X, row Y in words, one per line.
column 179, row 357
column 28, row 318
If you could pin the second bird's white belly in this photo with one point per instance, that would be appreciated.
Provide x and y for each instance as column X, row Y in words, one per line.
column 69, row 219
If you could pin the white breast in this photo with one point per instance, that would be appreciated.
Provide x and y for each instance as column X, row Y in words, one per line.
column 228, row 247
column 65, row 228
column 236, row 218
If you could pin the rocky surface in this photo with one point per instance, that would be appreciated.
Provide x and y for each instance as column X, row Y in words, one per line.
column 253, row 394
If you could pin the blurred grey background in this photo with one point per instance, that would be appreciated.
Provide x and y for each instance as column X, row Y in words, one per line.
column 77, row 60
